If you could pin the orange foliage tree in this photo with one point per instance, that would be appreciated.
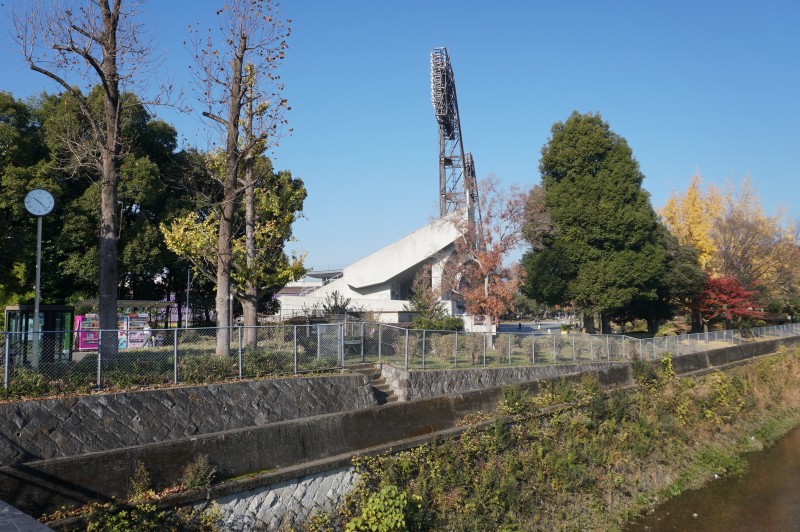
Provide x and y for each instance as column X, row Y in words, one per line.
column 479, row 274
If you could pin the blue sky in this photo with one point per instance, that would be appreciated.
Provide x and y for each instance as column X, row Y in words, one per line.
column 708, row 86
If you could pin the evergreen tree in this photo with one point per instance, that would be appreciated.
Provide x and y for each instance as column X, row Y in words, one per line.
column 606, row 256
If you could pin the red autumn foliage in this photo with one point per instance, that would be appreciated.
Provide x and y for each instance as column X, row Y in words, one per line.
column 726, row 298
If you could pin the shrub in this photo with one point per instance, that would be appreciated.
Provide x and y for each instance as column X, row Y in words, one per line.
column 384, row 512
column 123, row 518
column 141, row 486
column 516, row 401
column 26, row 382
column 442, row 345
column 448, row 323
column 199, row 474
column 198, row 369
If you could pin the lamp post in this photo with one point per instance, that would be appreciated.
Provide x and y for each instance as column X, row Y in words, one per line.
column 39, row 203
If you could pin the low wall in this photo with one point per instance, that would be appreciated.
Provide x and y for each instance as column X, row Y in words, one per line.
column 413, row 385
column 55, row 428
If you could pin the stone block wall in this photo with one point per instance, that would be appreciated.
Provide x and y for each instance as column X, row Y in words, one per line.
column 287, row 503
column 414, row 385
column 55, row 428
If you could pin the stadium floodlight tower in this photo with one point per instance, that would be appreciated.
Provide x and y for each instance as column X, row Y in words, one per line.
column 458, row 185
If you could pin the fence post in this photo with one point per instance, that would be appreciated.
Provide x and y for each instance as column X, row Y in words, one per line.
column 533, row 349
column 455, row 352
column 608, row 347
column 406, row 349
column 380, row 341
column 655, row 356
column 423, row 347
column 484, row 349
column 100, row 359
column 318, row 347
column 341, row 341
column 294, row 334
column 175, row 356
column 623, row 347
column 555, row 359
column 641, row 351
column 239, row 341
column 7, row 362
column 573, row 349
column 362, row 342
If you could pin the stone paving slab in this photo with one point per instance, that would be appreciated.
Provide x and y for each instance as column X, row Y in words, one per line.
column 12, row 519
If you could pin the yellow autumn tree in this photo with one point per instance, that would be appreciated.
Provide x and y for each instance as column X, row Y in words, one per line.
column 751, row 246
column 692, row 216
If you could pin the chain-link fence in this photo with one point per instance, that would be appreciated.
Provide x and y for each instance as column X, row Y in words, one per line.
column 59, row 362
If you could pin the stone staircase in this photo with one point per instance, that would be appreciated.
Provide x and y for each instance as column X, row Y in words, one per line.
column 381, row 389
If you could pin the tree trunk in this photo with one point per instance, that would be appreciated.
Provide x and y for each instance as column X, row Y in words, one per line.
column 224, row 280
column 588, row 323
column 697, row 321
column 107, row 286
column 605, row 324
column 225, row 235
column 250, row 299
column 652, row 326
column 109, row 154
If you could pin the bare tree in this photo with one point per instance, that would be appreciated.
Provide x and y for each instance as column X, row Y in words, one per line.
column 236, row 72
column 82, row 45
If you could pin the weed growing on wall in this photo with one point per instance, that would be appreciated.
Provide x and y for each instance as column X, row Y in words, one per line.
column 140, row 512
column 591, row 465
column 199, row 474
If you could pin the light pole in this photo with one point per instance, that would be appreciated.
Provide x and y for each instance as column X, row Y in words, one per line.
column 39, row 203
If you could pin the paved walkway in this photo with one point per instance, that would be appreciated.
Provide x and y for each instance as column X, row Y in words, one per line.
column 12, row 519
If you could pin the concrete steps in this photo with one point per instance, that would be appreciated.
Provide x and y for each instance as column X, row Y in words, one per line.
column 381, row 390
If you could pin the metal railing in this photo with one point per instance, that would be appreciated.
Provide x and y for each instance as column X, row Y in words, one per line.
column 81, row 361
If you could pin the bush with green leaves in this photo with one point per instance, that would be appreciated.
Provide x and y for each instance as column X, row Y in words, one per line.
column 199, row 474
column 384, row 512
column 445, row 323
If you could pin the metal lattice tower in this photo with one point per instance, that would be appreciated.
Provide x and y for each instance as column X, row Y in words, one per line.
column 458, row 185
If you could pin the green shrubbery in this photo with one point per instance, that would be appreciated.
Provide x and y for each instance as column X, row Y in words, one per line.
column 589, row 465
column 146, row 369
column 139, row 513
column 444, row 323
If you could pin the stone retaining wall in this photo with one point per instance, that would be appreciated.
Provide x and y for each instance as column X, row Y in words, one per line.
column 286, row 503
column 414, row 384
column 54, row 428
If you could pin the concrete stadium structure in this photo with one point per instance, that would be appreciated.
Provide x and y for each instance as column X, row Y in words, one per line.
column 381, row 282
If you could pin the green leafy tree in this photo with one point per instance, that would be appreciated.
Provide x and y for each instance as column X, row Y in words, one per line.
column 677, row 291
column 426, row 302
column 147, row 192
column 93, row 43
column 278, row 202
column 606, row 253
